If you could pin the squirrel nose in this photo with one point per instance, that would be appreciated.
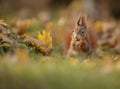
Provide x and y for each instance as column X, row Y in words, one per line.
column 77, row 38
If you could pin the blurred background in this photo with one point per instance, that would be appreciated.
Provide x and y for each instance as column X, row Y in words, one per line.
column 96, row 8
column 23, row 67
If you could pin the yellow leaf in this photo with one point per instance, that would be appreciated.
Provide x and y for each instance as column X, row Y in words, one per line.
column 45, row 38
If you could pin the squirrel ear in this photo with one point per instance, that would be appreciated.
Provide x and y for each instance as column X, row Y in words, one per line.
column 78, row 21
column 82, row 20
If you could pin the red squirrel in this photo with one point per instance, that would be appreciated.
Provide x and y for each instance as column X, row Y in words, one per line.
column 83, row 39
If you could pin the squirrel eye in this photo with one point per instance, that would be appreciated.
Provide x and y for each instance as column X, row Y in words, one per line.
column 82, row 31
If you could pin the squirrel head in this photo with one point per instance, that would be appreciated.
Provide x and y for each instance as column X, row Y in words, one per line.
column 80, row 30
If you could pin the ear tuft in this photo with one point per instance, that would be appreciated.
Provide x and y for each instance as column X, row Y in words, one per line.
column 82, row 20
column 78, row 21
